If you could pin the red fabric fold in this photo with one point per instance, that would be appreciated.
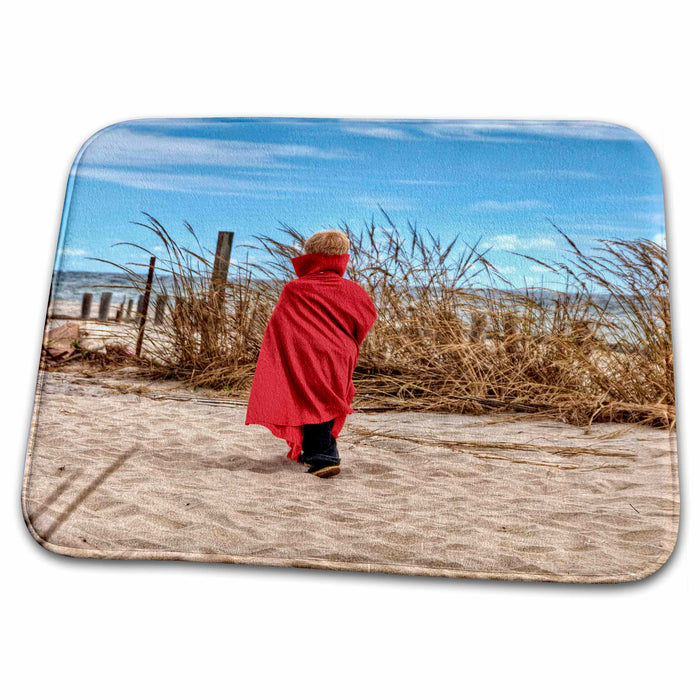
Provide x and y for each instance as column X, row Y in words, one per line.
column 309, row 351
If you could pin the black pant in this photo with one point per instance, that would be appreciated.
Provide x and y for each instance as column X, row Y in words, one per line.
column 318, row 445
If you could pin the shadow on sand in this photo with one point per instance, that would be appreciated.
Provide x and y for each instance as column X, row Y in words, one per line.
column 240, row 461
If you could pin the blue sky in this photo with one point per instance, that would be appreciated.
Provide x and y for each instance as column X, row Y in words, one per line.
column 498, row 181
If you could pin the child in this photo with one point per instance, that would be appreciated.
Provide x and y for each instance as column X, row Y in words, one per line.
column 302, row 386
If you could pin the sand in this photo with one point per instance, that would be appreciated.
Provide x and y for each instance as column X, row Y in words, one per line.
column 117, row 474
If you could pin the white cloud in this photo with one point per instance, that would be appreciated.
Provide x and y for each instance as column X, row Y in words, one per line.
column 657, row 218
column 509, row 131
column 126, row 146
column 389, row 204
column 194, row 183
column 573, row 174
column 608, row 228
column 626, row 198
column 379, row 132
column 660, row 239
column 513, row 242
column 74, row 252
column 514, row 205
column 425, row 182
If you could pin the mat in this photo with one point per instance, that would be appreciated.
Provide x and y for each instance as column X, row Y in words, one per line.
column 438, row 348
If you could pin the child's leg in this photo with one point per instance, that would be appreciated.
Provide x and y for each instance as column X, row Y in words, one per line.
column 319, row 449
column 318, row 443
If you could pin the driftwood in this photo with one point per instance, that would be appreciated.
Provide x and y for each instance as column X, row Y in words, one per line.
column 490, row 403
column 62, row 342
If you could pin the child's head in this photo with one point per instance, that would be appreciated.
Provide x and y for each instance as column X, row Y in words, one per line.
column 330, row 242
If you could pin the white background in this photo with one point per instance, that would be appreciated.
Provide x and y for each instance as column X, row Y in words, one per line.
column 80, row 629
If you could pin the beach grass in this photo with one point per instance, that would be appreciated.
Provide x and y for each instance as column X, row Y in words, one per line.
column 453, row 333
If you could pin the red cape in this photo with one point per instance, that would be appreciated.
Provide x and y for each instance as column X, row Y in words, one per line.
column 309, row 350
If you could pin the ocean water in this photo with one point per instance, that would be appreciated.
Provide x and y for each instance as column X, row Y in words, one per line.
column 70, row 285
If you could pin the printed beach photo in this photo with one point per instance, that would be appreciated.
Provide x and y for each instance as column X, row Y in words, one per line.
column 436, row 348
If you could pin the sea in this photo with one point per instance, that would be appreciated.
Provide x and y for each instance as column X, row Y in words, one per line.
column 70, row 285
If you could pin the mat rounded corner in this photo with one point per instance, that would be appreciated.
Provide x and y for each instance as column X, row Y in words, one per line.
column 96, row 136
column 658, row 565
column 634, row 135
column 43, row 542
column 663, row 562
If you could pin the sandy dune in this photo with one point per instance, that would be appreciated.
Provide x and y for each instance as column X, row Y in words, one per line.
column 123, row 475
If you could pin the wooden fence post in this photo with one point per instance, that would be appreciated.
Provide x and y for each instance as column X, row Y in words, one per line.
column 120, row 311
column 160, row 309
column 178, row 309
column 129, row 309
column 105, row 301
column 87, row 305
column 146, row 302
column 510, row 331
column 222, row 260
column 478, row 326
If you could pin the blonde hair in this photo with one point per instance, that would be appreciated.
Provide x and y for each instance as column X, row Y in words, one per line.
column 331, row 242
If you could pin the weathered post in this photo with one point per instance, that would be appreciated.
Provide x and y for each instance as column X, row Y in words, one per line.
column 105, row 301
column 139, row 306
column 178, row 309
column 478, row 326
column 160, row 309
column 144, row 307
column 120, row 311
column 222, row 260
column 87, row 305
column 129, row 309
column 510, row 332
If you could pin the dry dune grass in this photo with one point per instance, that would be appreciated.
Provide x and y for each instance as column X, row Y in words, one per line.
column 452, row 334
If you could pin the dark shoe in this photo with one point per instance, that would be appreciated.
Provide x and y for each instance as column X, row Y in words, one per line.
column 324, row 472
